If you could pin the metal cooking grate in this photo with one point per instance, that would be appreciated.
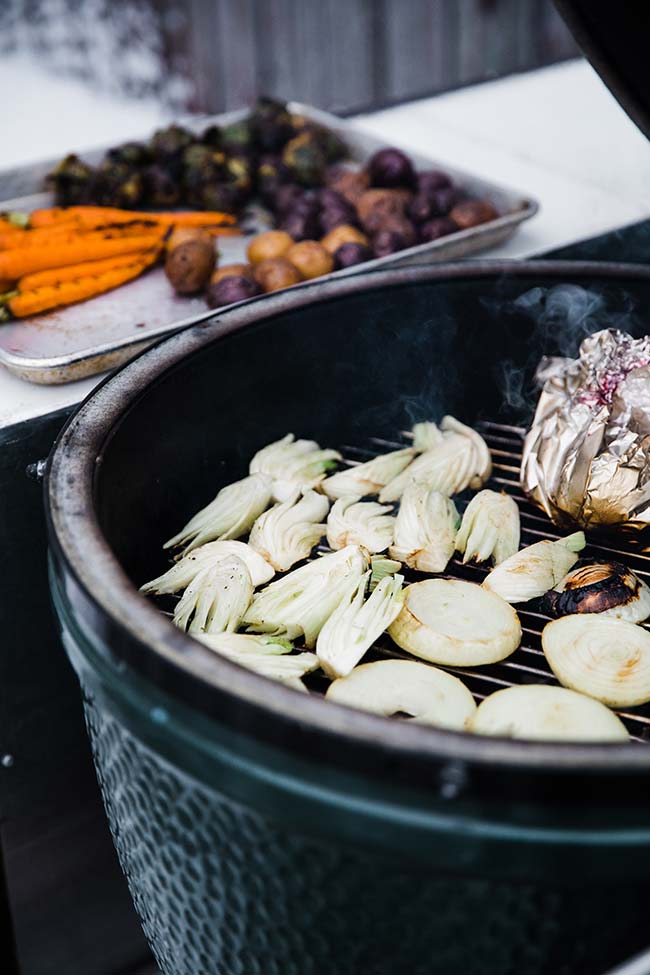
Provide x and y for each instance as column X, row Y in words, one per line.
column 527, row 665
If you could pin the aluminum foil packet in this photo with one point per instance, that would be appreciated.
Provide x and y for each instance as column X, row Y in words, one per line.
column 586, row 457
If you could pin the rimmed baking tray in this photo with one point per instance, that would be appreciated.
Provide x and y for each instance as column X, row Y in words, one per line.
column 105, row 332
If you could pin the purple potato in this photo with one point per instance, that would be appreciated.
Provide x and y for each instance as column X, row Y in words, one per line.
column 436, row 228
column 443, row 200
column 300, row 226
column 350, row 254
column 331, row 198
column 286, row 197
column 433, row 179
column 391, row 168
column 331, row 217
column 387, row 242
column 420, row 208
column 231, row 289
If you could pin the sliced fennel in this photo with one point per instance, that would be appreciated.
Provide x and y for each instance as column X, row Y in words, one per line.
column 607, row 588
column 293, row 464
column 356, row 623
column 542, row 712
column 426, row 435
column 288, row 532
column 368, row 478
column 404, row 687
column 425, row 529
column 490, row 528
column 380, row 567
column 461, row 459
column 607, row 659
column 456, row 623
column 534, row 570
column 264, row 655
column 216, row 599
column 302, row 601
column 230, row 515
column 355, row 522
column 183, row 572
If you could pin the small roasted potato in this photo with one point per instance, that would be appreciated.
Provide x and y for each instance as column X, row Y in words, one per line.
column 436, row 228
column 231, row 289
column 268, row 246
column 190, row 263
column 343, row 234
column 275, row 273
column 471, row 213
column 311, row 259
column 349, row 183
column 376, row 206
column 350, row 254
column 180, row 234
column 232, row 271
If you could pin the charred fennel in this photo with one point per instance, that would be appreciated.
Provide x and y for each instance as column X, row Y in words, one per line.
column 425, row 529
column 263, row 654
column 534, row 570
column 183, row 572
column 489, row 529
column 288, row 532
column 355, row 522
column 293, row 465
column 368, row 478
column 230, row 515
column 216, row 599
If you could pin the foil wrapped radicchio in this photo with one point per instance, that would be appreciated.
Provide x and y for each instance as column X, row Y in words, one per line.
column 586, row 458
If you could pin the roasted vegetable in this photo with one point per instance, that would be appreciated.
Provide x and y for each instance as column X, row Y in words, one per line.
column 391, row 167
column 190, row 262
column 432, row 179
column 269, row 245
column 271, row 124
column 607, row 588
column 305, row 158
column 426, row 435
column 160, row 189
column 293, row 464
column 231, row 271
column 300, row 224
column 310, row 258
column 230, row 515
column 237, row 136
column 544, row 713
column 347, row 255
column 216, row 599
column 386, row 242
column 436, row 228
column 368, row 478
column 231, row 289
column 271, row 175
column 425, row 529
column 536, row 569
column 376, row 208
column 608, row 659
column 183, row 572
column 345, row 234
column 404, row 688
column 351, row 184
column 168, row 146
column 275, row 274
column 457, row 624
column 286, row 533
column 265, row 655
column 71, row 181
column 490, row 528
column 287, row 197
column 19, row 261
column 355, row 522
column 471, row 213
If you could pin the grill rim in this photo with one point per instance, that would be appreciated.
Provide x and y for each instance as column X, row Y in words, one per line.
column 148, row 642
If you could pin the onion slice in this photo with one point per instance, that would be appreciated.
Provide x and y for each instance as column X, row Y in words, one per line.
column 287, row 533
column 490, row 528
column 368, row 478
column 545, row 713
column 355, row 522
column 607, row 659
column 456, row 623
column 394, row 687
column 230, row 515
column 355, row 625
column 607, row 588
column 534, row 570
column 425, row 529
column 293, row 465
column 183, row 572
column 216, row 600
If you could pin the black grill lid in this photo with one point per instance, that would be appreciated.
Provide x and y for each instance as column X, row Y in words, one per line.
column 615, row 37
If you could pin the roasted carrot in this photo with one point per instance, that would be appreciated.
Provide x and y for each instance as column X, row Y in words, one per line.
column 92, row 217
column 66, row 233
column 59, row 275
column 18, row 262
column 38, row 300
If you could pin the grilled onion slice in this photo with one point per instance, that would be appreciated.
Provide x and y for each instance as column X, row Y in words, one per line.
column 183, row 572
column 404, row 687
column 368, row 478
column 607, row 588
column 287, row 533
column 456, row 623
column 490, row 528
column 425, row 529
column 607, row 659
column 534, row 570
column 230, row 515
column 293, row 465
column 545, row 713
column 355, row 522
column 216, row 600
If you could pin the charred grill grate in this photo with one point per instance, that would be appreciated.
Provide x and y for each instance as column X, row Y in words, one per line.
column 528, row 664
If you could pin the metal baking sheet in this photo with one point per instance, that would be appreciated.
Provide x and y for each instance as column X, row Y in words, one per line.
column 97, row 335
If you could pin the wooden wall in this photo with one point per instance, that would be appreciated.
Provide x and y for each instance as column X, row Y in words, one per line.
column 345, row 55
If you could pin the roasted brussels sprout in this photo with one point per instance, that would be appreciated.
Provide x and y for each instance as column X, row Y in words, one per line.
column 130, row 153
column 212, row 137
column 300, row 224
column 435, row 228
column 72, row 181
column 391, row 168
column 225, row 197
column 272, row 125
column 386, row 242
column 231, row 289
column 118, row 185
column 160, row 190
column 275, row 274
column 310, row 258
column 432, row 179
column 471, row 213
column 305, row 158
column 350, row 254
column 351, row 184
column 271, row 175
column 202, row 167
column 168, row 146
column 238, row 136
column 269, row 245
column 240, row 171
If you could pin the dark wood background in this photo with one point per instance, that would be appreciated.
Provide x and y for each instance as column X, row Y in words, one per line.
column 344, row 55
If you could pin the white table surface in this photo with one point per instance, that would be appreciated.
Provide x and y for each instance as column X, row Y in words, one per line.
column 556, row 134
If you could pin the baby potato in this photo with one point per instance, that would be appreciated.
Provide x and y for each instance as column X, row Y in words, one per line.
column 189, row 265
column 180, row 234
column 275, row 273
column 311, row 259
column 268, row 246
column 343, row 234
column 231, row 271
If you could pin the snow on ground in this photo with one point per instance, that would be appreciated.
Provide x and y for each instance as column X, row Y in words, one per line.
column 53, row 115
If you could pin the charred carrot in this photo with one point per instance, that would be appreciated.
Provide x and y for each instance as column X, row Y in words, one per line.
column 66, row 233
column 59, row 275
column 92, row 217
column 18, row 262
column 28, row 303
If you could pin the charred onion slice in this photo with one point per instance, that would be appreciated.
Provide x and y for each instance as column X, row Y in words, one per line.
column 534, row 570
column 607, row 588
column 404, row 687
column 605, row 658
column 456, row 623
column 545, row 713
